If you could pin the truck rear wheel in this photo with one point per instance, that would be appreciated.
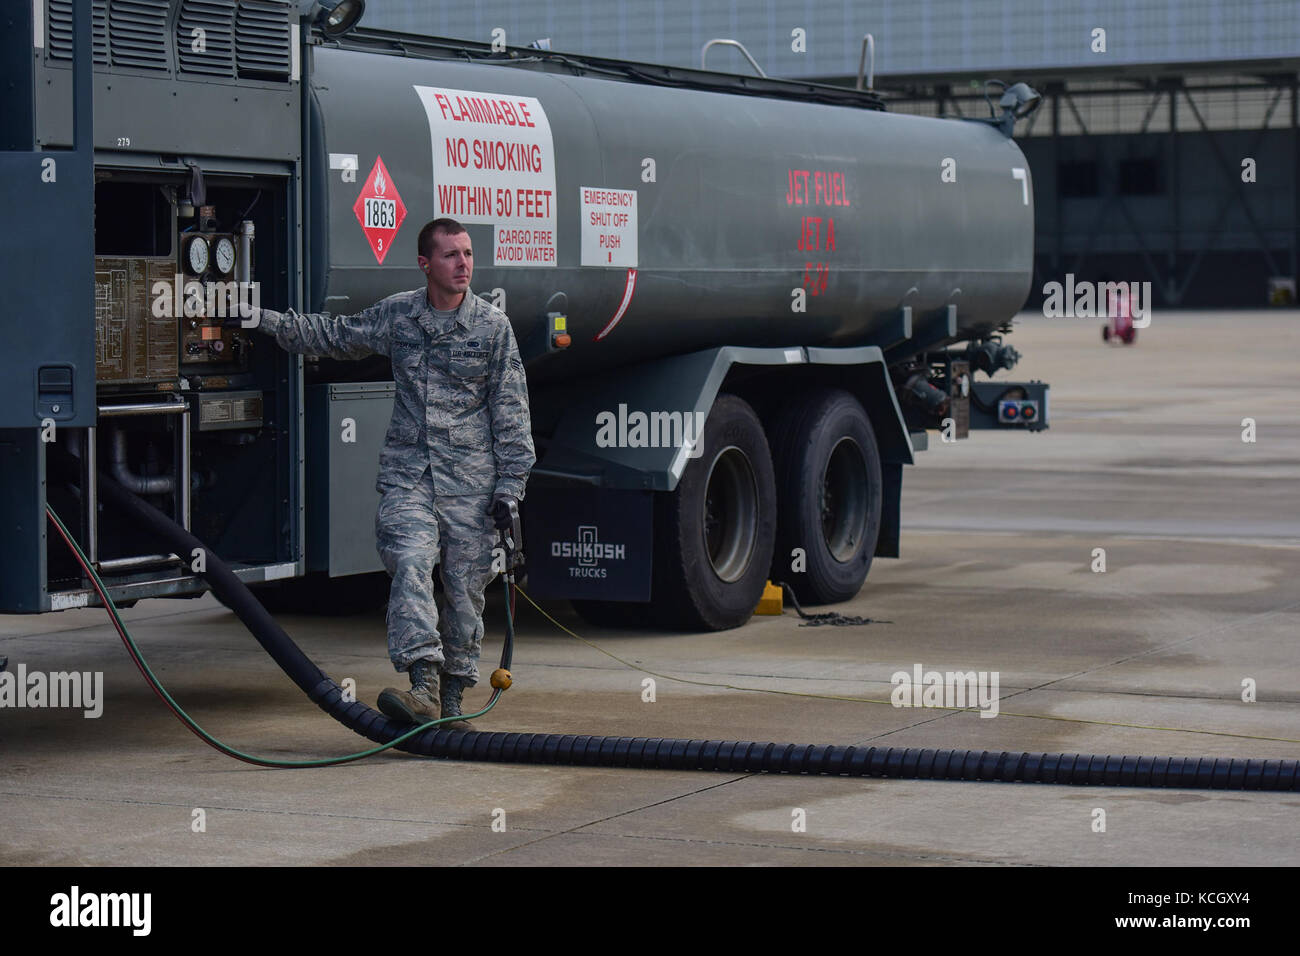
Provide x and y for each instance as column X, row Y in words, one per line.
column 714, row 533
column 828, row 487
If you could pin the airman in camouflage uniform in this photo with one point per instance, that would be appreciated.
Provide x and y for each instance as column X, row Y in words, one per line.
column 459, row 447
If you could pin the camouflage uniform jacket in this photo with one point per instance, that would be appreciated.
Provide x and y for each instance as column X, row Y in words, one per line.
column 461, row 403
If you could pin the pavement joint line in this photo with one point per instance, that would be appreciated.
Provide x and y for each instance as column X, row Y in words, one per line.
column 1169, row 645
column 796, row 678
column 820, row 849
column 611, row 816
column 1227, row 625
column 1284, row 542
column 1006, row 488
column 691, row 841
column 1164, row 695
column 948, row 711
column 105, row 623
column 273, row 812
column 938, row 716
column 1048, row 688
column 1161, row 647
column 1172, row 615
column 694, row 841
column 792, row 678
column 951, row 711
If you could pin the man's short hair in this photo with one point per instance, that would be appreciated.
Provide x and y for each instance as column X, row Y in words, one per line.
column 444, row 225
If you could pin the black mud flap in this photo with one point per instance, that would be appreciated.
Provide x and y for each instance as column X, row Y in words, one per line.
column 589, row 543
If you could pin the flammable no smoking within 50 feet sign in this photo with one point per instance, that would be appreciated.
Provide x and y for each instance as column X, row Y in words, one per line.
column 494, row 163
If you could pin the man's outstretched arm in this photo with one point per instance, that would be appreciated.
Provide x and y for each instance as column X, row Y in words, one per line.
column 317, row 333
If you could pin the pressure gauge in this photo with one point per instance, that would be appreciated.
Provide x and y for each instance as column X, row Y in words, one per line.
column 225, row 256
column 196, row 255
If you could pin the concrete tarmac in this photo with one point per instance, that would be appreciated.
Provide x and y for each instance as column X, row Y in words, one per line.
column 1144, row 459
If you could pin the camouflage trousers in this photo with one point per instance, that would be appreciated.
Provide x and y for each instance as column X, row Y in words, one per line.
column 417, row 530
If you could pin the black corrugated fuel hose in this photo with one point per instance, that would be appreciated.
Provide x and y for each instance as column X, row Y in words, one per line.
column 731, row 756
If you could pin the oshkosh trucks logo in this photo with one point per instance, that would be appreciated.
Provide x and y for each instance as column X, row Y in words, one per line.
column 380, row 210
column 589, row 552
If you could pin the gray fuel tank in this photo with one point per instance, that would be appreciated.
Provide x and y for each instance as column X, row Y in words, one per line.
column 732, row 203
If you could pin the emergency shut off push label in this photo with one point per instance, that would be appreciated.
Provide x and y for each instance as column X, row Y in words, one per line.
column 494, row 163
column 608, row 226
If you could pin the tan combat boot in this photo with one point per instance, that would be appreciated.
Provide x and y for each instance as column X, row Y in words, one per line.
column 420, row 704
column 452, row 688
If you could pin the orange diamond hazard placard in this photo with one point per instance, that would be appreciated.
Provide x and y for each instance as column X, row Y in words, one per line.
column 380, row 210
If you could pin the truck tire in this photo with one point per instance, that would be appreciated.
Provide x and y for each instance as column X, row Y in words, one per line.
column 829, row 495
column 713, row 535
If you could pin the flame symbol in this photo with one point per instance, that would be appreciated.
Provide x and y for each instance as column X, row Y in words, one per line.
column 381, row 185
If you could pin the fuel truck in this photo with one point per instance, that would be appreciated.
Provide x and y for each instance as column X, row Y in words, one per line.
column 742, row 303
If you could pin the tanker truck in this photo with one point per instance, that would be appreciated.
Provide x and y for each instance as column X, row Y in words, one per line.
column 742, row 303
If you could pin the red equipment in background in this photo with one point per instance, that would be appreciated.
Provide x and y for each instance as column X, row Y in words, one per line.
column 1119, row 323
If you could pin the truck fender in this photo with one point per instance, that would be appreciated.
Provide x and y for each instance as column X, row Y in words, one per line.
column 689, row 384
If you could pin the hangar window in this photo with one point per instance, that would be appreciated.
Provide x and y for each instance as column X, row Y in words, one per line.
column 1077, row 179
column 1139, row 177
